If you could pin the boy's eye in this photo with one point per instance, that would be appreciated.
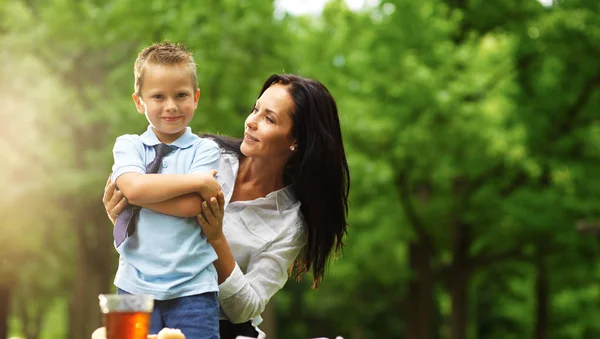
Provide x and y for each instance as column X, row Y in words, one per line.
column 182, row 95
column 157, row 96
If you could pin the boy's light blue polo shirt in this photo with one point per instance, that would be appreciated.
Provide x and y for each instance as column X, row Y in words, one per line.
column 167, row 256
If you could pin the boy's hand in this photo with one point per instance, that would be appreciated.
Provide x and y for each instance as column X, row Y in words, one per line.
column 211, row 218
column 208, row 185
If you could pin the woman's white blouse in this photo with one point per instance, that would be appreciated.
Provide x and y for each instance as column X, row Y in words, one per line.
column 265, row 236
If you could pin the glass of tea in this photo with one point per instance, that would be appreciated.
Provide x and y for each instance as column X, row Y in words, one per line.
column 126, row 316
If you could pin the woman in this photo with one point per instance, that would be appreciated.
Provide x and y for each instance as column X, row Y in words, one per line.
column 285, row 196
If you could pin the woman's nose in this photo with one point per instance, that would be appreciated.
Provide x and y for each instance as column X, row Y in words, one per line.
column 251, row 122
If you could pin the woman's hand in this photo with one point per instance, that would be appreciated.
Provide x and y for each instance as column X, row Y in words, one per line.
column 114, row 201
column 209, row 186
column 211, row 218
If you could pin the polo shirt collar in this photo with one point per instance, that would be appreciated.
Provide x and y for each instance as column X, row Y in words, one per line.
column 184, row 141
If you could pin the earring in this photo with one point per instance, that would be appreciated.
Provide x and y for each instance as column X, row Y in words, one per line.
column 292, row 148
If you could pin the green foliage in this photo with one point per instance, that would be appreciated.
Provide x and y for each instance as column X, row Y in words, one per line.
column 473, row 115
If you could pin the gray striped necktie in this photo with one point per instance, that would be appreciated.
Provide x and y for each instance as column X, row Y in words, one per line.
column 126, row 222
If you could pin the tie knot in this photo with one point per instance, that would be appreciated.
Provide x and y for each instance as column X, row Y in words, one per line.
column 162, row 150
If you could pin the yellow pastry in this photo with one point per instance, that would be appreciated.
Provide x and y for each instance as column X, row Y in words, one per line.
column 170, row 333
column 99, row 333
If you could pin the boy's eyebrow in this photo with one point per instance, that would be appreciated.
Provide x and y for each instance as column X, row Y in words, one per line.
column 179, row 89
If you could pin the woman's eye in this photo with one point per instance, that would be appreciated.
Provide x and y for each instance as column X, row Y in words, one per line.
column 270, row 120
column 254, row 110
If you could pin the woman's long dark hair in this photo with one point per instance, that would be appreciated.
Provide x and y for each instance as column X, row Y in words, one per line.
column 318, row 172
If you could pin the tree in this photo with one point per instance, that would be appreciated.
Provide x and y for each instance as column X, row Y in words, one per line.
column 457, row 132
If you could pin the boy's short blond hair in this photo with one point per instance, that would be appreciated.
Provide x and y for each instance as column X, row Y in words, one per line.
column 164, row 53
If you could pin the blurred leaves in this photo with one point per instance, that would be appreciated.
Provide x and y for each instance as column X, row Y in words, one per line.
column 483, row 114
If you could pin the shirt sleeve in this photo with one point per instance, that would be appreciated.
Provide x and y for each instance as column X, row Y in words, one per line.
column 244, row 296
column 206, row 156
column 128, row 154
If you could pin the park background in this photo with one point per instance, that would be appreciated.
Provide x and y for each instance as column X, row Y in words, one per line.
column 472, row 130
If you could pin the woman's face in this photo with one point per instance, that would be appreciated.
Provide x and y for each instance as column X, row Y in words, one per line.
column 268, row 132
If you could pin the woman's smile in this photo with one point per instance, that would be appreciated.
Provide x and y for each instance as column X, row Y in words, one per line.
column 249, row 138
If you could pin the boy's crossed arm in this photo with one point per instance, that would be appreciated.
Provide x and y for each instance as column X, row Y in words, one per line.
column 142, row 189
column 184, row 206
column 179, row 195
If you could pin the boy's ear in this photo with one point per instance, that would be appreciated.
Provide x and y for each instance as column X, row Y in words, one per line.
column 196, row 98
column 138, row 104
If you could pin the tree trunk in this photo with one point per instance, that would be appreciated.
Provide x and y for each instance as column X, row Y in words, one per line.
column 95, row 264
column 85, row 314
column 269, row 325
column 30, row 316
column 459, row 277
column 419, row 306
column 458, row 292
column 541, row 293
column 357, row 333
column 94, row 270
column 4, row 310
column 34, row 326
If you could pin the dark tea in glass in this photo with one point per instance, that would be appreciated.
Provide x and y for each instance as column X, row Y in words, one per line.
column 126, row 316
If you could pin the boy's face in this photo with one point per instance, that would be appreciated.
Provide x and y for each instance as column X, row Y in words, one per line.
column 168, row 100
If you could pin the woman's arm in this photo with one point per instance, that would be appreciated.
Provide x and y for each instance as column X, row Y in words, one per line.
column 212, row 228
column 244, row 296
column 113, row 200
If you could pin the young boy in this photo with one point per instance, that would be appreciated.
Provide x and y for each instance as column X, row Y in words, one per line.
column 163, row 255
